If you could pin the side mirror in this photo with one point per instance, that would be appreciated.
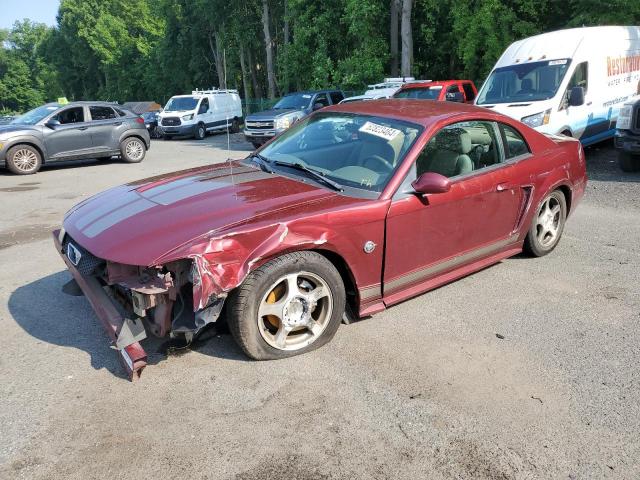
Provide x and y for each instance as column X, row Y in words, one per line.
column 431, row 182
column 52, row 124
column 455, row 97
column 317, row 106
column 576, row 97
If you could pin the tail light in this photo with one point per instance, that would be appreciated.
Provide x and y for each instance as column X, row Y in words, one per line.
column 140, row 120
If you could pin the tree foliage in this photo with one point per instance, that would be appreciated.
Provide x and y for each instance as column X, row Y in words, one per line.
column 152, row 49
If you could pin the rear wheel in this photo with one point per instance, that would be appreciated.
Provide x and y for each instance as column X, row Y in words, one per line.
column 547, row 225
column 291, row 305
column 23, row 160
column 133, row 150
column 628, row 163
column 201, row 132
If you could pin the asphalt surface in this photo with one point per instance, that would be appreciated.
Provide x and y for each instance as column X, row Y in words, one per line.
column 525, row 370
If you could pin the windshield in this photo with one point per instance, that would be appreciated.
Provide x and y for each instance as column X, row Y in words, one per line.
column 524, row 82
column 421, row 93
column 297, row 101
column 359, row 152
column 180, row 104
column 34, row 116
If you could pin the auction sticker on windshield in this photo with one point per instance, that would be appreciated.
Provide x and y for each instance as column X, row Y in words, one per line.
column 381, row 131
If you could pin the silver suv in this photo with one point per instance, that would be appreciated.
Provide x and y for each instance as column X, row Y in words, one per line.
column 73, row 131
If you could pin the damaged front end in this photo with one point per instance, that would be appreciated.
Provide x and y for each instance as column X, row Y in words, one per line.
column 131, row 300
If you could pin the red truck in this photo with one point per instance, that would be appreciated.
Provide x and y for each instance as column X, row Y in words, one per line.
column 463, row 91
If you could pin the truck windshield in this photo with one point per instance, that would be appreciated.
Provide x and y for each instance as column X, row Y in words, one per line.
column 525, row 82
column 421, row 93
column 180, row 104
column 34, row 116
column 297, row 101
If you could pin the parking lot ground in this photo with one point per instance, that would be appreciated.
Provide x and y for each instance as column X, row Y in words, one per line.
column 528, row 369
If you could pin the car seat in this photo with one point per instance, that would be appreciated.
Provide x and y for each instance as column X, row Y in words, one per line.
column 451, row 155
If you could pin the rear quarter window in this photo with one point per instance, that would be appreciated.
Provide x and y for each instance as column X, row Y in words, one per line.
column 515, row 144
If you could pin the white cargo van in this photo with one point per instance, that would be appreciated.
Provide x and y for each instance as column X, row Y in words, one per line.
column 201, row 112
column 570, row 81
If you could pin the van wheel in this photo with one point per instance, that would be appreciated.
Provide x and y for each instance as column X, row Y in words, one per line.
column 201, row 132
column 291, row 305
column 132, row 150
column 628, row 163
column 23, row 160
column 235, row 126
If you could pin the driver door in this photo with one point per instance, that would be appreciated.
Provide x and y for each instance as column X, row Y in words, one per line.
column 432, row 235
column 72, row 137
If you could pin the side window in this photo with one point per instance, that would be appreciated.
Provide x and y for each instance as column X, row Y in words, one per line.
column 101, row 113
column 468, row 91
column 322, row 98
column 120, row 112
column 204, row 106
column 579, row 77
column 336, row 97
column 71, row 115
column 513, row 141
column 460, row 149
column 453, row 89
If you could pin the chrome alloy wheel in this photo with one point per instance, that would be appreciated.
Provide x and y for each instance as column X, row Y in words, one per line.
column 135, row 150
column 548, row 222
column 295, row 311
column 25, row 160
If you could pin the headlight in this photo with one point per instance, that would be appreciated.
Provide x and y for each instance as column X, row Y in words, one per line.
column 283, row 123
column 624, row 118
column 188, row 117
column 537, row 120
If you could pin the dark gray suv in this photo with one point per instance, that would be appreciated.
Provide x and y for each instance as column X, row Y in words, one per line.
column 73, row 131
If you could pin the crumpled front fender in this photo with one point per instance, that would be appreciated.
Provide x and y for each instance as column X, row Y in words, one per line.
column 221, row 263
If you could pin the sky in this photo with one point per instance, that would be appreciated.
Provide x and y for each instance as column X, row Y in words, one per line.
column 43, row 11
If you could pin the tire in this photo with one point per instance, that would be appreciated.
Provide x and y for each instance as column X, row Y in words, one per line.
column 547, row 225
column 628, row 163
column 256, row 145
column 312, row 313
column 235, row 126
column 201, row 132
column 133, row 150
column 23, row 160
column 167, row 137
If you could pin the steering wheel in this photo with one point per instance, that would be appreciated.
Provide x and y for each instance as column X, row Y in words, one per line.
column 379, row 159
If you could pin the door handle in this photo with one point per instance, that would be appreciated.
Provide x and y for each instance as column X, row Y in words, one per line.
column 82, row 128
column 118, row 123
column 504, row 187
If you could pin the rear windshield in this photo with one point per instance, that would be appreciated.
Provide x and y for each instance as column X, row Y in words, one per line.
column 178, row 104
column 524, row 82
column 421, row 93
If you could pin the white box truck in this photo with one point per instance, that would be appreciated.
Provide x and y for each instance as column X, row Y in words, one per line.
column 570, row 82
column 201, row 112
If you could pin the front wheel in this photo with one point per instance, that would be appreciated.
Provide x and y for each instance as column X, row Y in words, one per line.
column 290, row 305
column 234, row 127
column 133, row 150
column 201, row 132
column 547, row 225
column 23, row 160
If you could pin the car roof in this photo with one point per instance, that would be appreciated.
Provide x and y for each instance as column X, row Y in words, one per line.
column 422, row 112
column 84, row 102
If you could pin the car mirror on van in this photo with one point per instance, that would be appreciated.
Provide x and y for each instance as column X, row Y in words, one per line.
column 431, row 182
column 53, row 123
column 576, row 97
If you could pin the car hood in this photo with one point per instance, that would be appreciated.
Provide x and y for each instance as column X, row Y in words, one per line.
column 138, row 223
column 8, row 130
column 273, row 113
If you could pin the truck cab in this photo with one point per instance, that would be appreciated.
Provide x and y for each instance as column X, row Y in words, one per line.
column 463, row 91
column 263, row 126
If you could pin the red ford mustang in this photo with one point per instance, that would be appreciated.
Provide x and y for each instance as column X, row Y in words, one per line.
column 355, row 208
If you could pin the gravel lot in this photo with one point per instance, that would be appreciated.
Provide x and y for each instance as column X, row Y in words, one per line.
column 423, row 390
